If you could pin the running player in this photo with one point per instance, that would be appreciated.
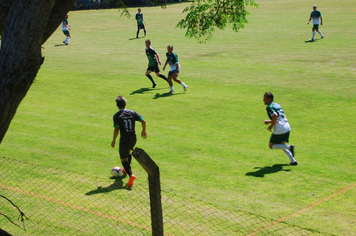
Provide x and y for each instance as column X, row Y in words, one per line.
column 172, row 59
column 281, row 128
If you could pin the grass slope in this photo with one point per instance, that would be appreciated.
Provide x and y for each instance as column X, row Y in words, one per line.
column 209, row 142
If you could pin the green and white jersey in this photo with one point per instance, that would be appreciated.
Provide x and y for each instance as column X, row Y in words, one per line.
column 151, row 56
column 281, row 126
column 172, row 60
column 315, row 15
column 139, row 18
column 64, row 23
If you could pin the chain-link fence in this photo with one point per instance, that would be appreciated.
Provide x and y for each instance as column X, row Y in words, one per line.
column 57, row 202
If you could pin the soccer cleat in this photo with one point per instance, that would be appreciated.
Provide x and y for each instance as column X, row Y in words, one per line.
column 311, row 40
column 293, row 163
column 131, row 180
column 154, row 85
column 322, row 37
column 291, row 149
column 185, row 88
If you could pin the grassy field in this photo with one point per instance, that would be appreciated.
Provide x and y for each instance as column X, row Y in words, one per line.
column 209, row 142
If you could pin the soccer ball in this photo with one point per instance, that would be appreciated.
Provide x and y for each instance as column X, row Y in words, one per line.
column 116, row 171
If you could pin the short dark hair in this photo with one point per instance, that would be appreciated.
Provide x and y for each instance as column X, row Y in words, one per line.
column 269, row 95
column 148, row 41
column 120, row 101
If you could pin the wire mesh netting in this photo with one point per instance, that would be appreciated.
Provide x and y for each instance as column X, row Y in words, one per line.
column 57, row 202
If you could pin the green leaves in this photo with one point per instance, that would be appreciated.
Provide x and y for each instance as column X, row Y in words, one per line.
column 204, row 15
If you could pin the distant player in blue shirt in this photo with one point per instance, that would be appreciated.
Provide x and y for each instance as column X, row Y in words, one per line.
column 316, row 15
column 281, row 129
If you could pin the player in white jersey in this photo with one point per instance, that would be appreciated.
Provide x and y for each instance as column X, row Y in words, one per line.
column 172, row 60
column 281, row 128
column 65, row 29
column 316, row 16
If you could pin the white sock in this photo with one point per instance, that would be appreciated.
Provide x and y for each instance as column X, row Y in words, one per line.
column 289, row 154
column 280, row 146
column 313, row 34
column 183, row 84
column 172, row 89
column 320, row 33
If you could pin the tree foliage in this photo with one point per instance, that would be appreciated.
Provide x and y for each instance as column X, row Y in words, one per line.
column 204, row 15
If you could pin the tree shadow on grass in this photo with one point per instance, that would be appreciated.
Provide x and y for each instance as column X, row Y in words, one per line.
column 262, row 171
column 118, row 184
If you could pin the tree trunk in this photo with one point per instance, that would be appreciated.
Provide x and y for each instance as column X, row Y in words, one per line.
column 27, row 25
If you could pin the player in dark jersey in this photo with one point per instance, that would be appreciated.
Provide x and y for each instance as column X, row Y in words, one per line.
column 153, row 61
column 140, row 24
column 124, row 123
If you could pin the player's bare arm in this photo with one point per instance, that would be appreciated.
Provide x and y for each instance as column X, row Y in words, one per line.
column 273, row 121
column 116, row 133
column 158, row 59
column 143, row 133
column 267, row 122
column 165, row 64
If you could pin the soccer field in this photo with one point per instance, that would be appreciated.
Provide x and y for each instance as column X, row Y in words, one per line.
column 209, row 142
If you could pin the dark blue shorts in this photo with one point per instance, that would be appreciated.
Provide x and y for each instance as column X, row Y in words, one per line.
column 279, row 138
column 153, row 68
column 315, row 27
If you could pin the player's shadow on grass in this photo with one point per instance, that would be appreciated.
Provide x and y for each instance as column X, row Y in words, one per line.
column 143, row 90
column 58, row 45
column 311, row 41
column 164, row 95
column 137, row 38
column 262, row 171
column 118, row 184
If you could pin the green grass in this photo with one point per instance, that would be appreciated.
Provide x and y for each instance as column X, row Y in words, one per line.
column 206, row 140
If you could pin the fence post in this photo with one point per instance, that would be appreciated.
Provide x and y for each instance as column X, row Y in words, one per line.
column 154, row 188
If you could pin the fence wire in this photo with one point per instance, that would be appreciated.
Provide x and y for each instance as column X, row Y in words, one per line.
column 57, row 202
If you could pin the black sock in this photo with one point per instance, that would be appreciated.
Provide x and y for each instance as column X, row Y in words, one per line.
column 150, row 77
column 145, row 32
column 130, row 159
column 127, row 167
column 137, row 33
column 163, row 77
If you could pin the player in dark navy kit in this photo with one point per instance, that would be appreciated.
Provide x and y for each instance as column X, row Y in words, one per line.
column 153, row 61
column 124, row 123
column 140, row 24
